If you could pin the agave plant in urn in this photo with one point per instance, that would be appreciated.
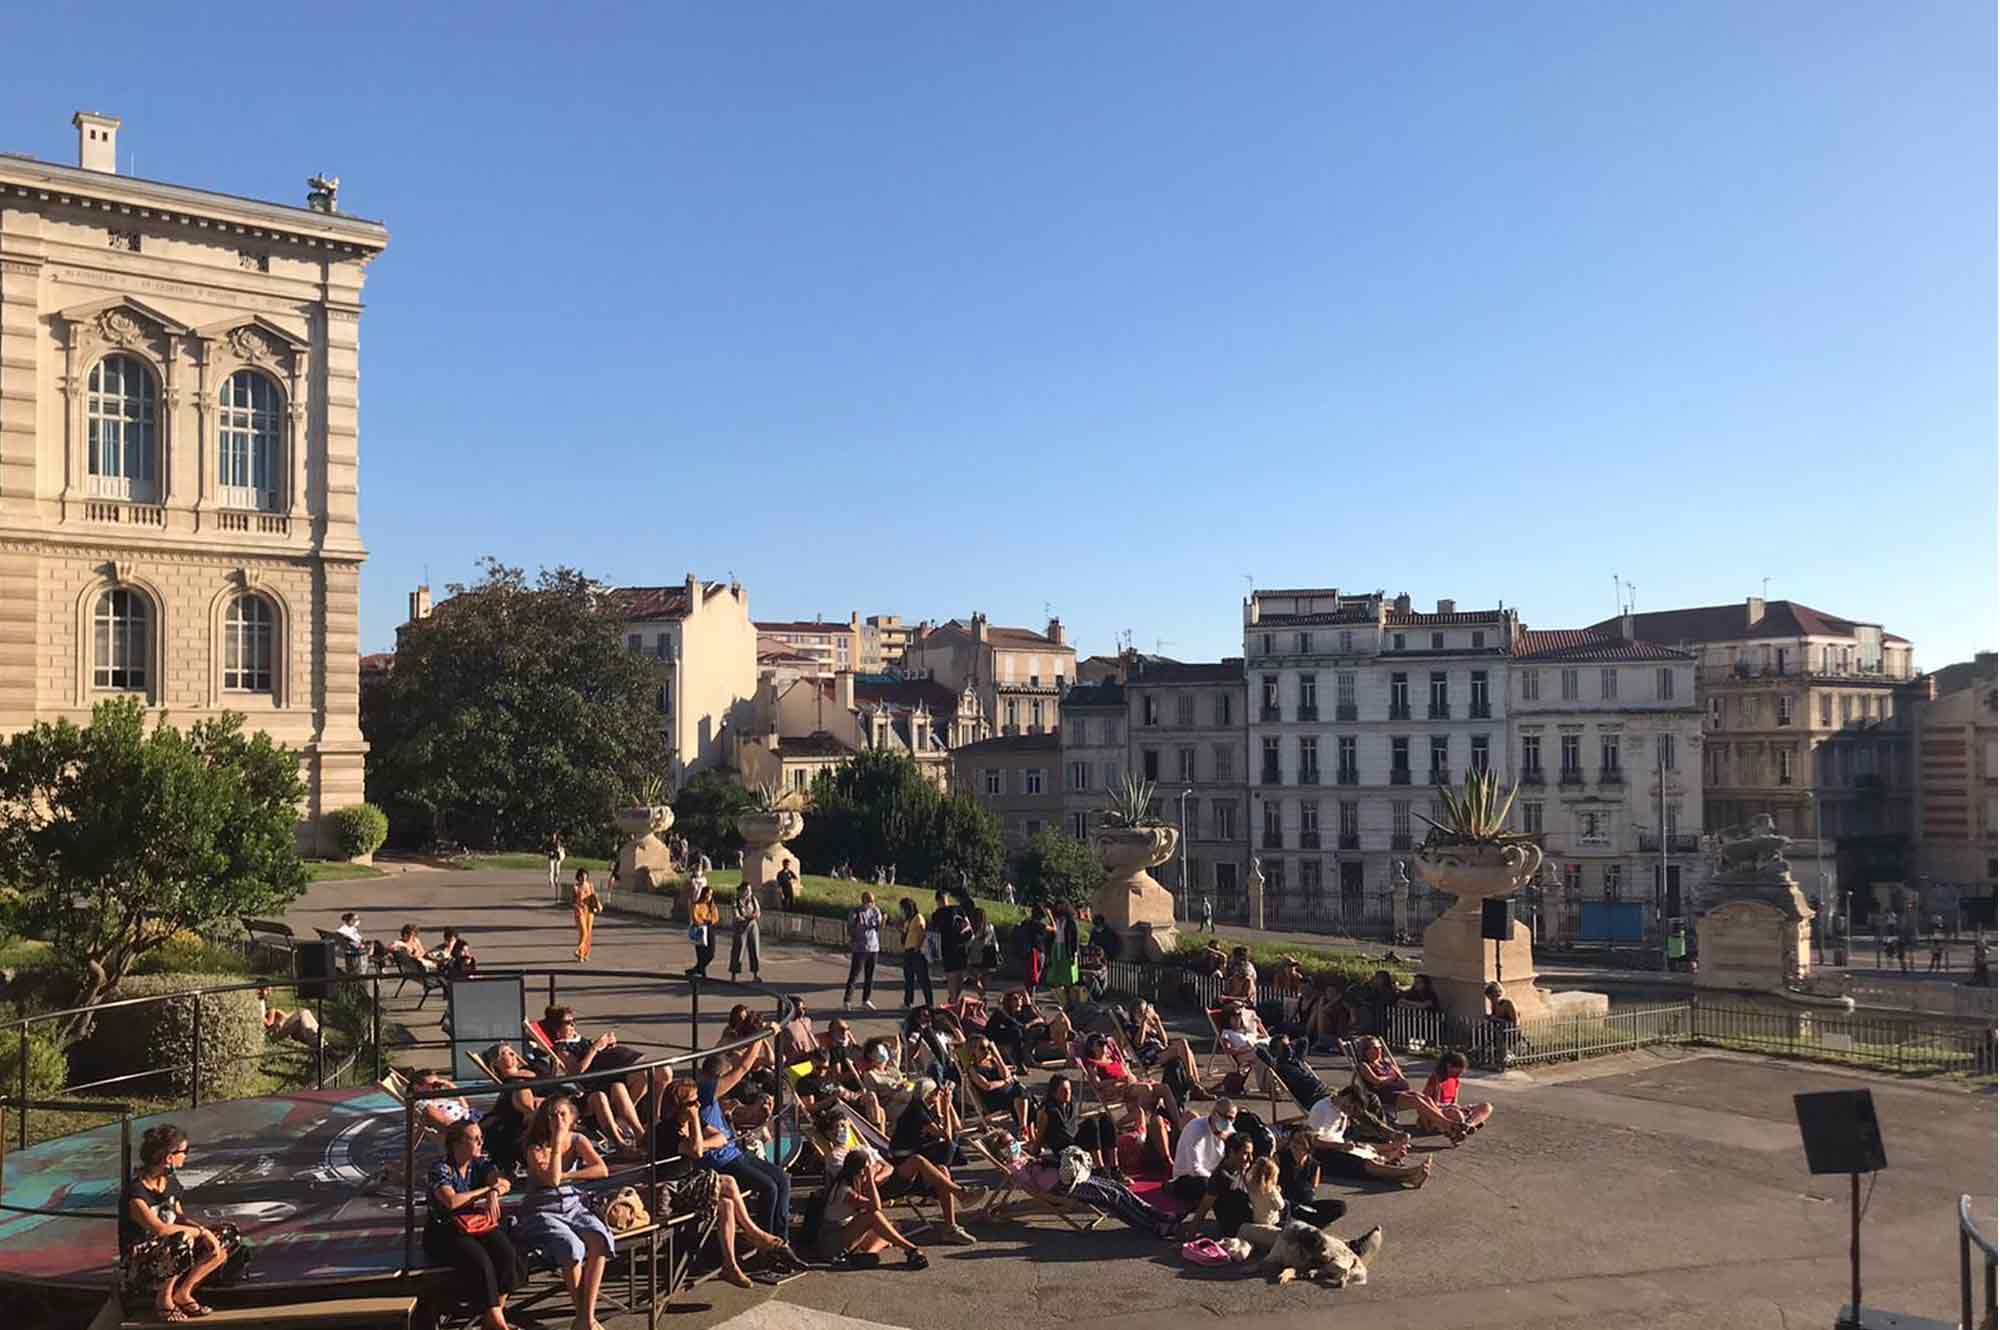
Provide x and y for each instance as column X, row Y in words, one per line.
column 643, row 860
column 776, row 815
column 1131, row 838
column 1470, row 854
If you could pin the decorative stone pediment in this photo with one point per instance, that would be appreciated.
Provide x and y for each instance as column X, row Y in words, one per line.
column 121, row 323
column 254, row 341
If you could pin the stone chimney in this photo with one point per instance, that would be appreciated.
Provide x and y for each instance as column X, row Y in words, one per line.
column 420, row 604
column 978, row 627
column 1753, row 611
column 1447, row 607
column 843, row 689
column 1625, row 626
column 1055, row 633
column 1403, row 603
column 96, row 141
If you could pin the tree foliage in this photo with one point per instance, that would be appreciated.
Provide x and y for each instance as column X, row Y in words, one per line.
column 705, row 812
column 114, row 839
column 876, row 810
column 1055, row 869
column 512, row 712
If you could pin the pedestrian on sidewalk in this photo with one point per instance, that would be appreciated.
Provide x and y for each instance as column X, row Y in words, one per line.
column 556, row 854
column 585, row 905
column 1937, row 951
column 703, row 916
column 788, row 887
column 916, row 963
column 743, row 923
column 864, row 941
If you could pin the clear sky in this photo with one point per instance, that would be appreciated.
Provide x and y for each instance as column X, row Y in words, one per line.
column 933, row 308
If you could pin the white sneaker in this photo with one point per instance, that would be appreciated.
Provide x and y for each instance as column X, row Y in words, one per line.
column 957, row 1237
column 869, row 1005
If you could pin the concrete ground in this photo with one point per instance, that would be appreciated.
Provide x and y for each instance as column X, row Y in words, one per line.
column 1665, row 1189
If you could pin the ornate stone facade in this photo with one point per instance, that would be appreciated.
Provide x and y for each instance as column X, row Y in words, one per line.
column 179, row 458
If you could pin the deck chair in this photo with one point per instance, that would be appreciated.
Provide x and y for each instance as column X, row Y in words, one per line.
column 408, row 967
column 983, row 1114
column 1013, row 1184
column 397, row 1086
column 896, row 1191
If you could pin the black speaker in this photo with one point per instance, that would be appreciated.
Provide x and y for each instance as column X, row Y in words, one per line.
column 1840, row 1131
column 1494, row 920
column 313, row 965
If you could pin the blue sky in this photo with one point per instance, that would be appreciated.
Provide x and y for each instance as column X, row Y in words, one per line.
column 934, row 308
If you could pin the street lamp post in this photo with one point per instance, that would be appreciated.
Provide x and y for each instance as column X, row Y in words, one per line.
column 1186, row 898
column 1844, row 908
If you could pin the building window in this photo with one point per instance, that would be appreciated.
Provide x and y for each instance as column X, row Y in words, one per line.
column 123, row 641
column 1715, row 716
column 1749, row 711
column 1531, row 817
column 1784, row 705
column 1186, row 756
column 1531, row 685
column 1572, row 755
column 1274, row 830
column 1079, row 775
column 246, row 645
column 1223, row 816
column 1225, row 879
column 1482, row 700
column 633, row 643
column 1112, row 771
column 1149, row 710
column 1784, row 766
column 1480, row 752
column 1305, row 644
column 124, row 430
column 1347, row 641
column 996, row 782
column 1607, row 752
column 1309, row 877
column 1607, row 684
column 1396, row 642
column 1399, row 758
column 1013, row 716
column 1673, row 821
column 1308, row 761
column 1437, row 641
column 1399, row 824
column 1079, row 730
column 1308, row 697
column 1440, row 758
column 1079, row 826
column 1035, row 717
column 1614, row 878
column 1665, row 684
column 1149, row 764
column 1343, row 693
column 1184, row 710
column 1666, row 752
column 247, row 442
column 1570, row 686
column 1478, row 641
column 1591, row 827
column 1846, row 708
column 1350, row 824
column 1225, row 709
column 1270, row 697
column 1349, row 765
column 1225, row 762
column 1399, row 696
column 1440, row 695
column 1270, row 759
column 1531, row 755
column 1031, row 780
column 1270, row 643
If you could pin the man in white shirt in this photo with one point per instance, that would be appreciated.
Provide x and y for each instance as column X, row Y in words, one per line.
column 1200, row 1151
column 350, row 928
column 1346, row 1159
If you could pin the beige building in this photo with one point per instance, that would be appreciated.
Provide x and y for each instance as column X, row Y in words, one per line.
column 179, row 455
column 885, row 639
column 1807, row 717
column 701, row 635
column 1185, row 728
column 1957, row 786
column 834, row 647
column 868, row 713
column 1018, row 673
column 1015, row 776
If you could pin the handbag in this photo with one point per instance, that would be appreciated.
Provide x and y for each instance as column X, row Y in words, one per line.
column 698, row 934
column 474, row 1220
column 623, row 1210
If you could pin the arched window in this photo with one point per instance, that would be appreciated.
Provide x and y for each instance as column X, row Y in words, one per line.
column 246, row 645
column 124, row 430
column 122, row 640
column 249, row 436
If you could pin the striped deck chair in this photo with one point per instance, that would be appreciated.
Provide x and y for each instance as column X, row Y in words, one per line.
column 861, row 1132
column 1012, row 1184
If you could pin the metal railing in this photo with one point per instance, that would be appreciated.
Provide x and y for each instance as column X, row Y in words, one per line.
column 1969, row 1237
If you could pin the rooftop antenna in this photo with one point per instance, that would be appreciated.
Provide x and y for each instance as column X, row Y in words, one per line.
column 1767, row 590
column 1631, row 598
column 1617, row 600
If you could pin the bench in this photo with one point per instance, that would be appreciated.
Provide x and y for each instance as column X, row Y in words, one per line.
column 353, row 1313
column 272, row 935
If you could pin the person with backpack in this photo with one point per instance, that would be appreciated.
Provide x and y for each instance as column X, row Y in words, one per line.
column 864, row 944
column 917, row 948
column 952, row 927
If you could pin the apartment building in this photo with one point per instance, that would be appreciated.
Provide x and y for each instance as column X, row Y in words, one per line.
column 1094, row 752
column 703, row 641
column 1019, row 674
column 1807, row 716
column 833, row 647
column 1361, row 706
column 180, row 457
column 1014, row 775
column 1957, row 789
column 1604, row 740
column 885, row 639
column 1185, row 731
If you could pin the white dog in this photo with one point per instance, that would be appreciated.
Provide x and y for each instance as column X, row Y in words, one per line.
column 1315, row 1253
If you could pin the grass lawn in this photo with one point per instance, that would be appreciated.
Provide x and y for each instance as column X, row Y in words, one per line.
column 1269, row 957
column 335, row 870
column 532, row 859
column 832, row 897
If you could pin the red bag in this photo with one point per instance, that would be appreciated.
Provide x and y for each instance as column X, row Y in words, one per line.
column 474, row 1220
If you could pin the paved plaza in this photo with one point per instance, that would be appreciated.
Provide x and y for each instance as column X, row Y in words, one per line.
column 1664, row 1189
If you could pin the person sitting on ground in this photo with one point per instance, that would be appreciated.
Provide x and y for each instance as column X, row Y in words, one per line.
column 1377, row 1069
column 854, row 1227
column 409, row 942
column 1104, row 1195
column 1337, row 1154
column 1442, row 1087
column 1199, row 1150
column 1421, row 993
column 464, row 1229
column 165, row 1252
column 1368, row 1118
column 300, row 1025
column 608, row 1095
column 733, row 1220
column 1267, row 1204
column 994, row 1084
column 1503, row 1019
column 1239, row 980
column 1227, row 1191
column 505, row 1124
column 1298, row 1179
column 1061, row 1124
column 554, row 1216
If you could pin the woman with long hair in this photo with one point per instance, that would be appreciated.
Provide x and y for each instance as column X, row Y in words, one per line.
column 464, row 1229
column 1061, row 974
column 165, row 1251
column 554, row 1216
column 744, row 940
column 584, row 906
column 715, row 1194
column 703, row 916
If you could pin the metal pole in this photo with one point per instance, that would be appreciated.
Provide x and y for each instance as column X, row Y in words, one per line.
column 23, row 1048
column 194, row 1071
column 1854, row 1241
column 694, row 1014
column 409, row 1180
column 319, row 1045
column 375, row 1024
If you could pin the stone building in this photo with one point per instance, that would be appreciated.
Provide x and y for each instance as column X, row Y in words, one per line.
column 179, row 456
column 833, row 646
column 705, row 644
column 1019, row 674
column 919, row 718
column 1015, row 776
column 1807, row 717
column 1185, row 728
column 1094, row 757
column 1604, row 740
column 1957, row 788
column 1360, row 706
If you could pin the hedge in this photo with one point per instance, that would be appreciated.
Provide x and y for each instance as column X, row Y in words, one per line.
column 48, row 1069
column 359, row 829
column 160, row 1036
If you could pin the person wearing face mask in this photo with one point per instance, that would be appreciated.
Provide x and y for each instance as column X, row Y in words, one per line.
column 1199, row 1151
column 165, row 1251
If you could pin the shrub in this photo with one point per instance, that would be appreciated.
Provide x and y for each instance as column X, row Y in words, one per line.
column 359, row 829
column 188, row 952
column 1057, row 869
column 48, row 1069
column 160, row 1036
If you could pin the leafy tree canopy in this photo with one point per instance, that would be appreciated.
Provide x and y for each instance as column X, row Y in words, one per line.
column 1055, row 869
column 114, row 838
column 877, row 810
column 512, row 712
column 705, row 812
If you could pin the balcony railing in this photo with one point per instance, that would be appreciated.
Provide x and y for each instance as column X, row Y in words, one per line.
column 1399, row 841
column 1308, row 713
column 1399, row 712
column 1679, row 842
column 1271, row 777
column 1267, row 713
column 1308, row 840
column 1440, row 775
column 1400, row 776
column 1610, row 776
column 1440, row 711
column 1350, row 842
column 1309, row 776
column 1346, row 711
column 1480, row 711
column 1572, row 776
column 1274, row 840
column 1347, row 776
column 1532, row 776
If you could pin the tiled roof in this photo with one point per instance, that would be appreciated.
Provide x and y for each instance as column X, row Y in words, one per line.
column 1725, row 623
column 1221, row 671
column 377, row 662
column 999, row 636
column 1417, row 619
column 902, row 692
column 1345, row 614
column 817, row 744
column 801, row 626
column 782, row 655
column 1011, row 743
column 1552, row 644
column 1110, row 693
column 646, row 604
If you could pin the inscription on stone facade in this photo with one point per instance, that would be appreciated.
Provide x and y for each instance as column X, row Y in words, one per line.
column 186, row 290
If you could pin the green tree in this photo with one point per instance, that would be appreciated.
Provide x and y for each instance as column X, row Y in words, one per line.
column 512, row 712
column 877, row 810
column 1055, row 869
column 964, row 846
column 705, row 811
column 115, row 839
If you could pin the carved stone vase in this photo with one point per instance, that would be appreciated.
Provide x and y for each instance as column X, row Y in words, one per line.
column 1138, row 907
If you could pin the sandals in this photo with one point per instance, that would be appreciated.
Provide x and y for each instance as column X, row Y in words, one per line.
column 193, row 1308
column 171, row 1314
column 736, row 1277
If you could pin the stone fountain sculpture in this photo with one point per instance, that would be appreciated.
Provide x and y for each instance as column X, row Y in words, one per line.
column 1458, row 960
column 1130, row 840
column 765, row 829
column 1754, row 922
column 643, row 862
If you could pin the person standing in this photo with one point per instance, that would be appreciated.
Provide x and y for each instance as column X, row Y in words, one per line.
column 1064, row 946
column 1906, row 940
column 952, row 927
column 916, row 968
column 1207, row 915
column 703, row 916
column 1007, row 893
column 864, row 942
column 556, row 854
column 788, row 886
column 743, row 918
column 584, row 905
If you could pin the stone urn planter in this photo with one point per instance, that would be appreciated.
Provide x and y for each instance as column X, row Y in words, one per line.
column 642, row 859
column 764, row 835
column 1130, row 900
column 1458, row 960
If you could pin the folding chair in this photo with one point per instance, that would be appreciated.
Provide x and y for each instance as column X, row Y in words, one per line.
column 408, row 967
column 984, row 1114
column 1014, row 1183
column 861, row 1133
